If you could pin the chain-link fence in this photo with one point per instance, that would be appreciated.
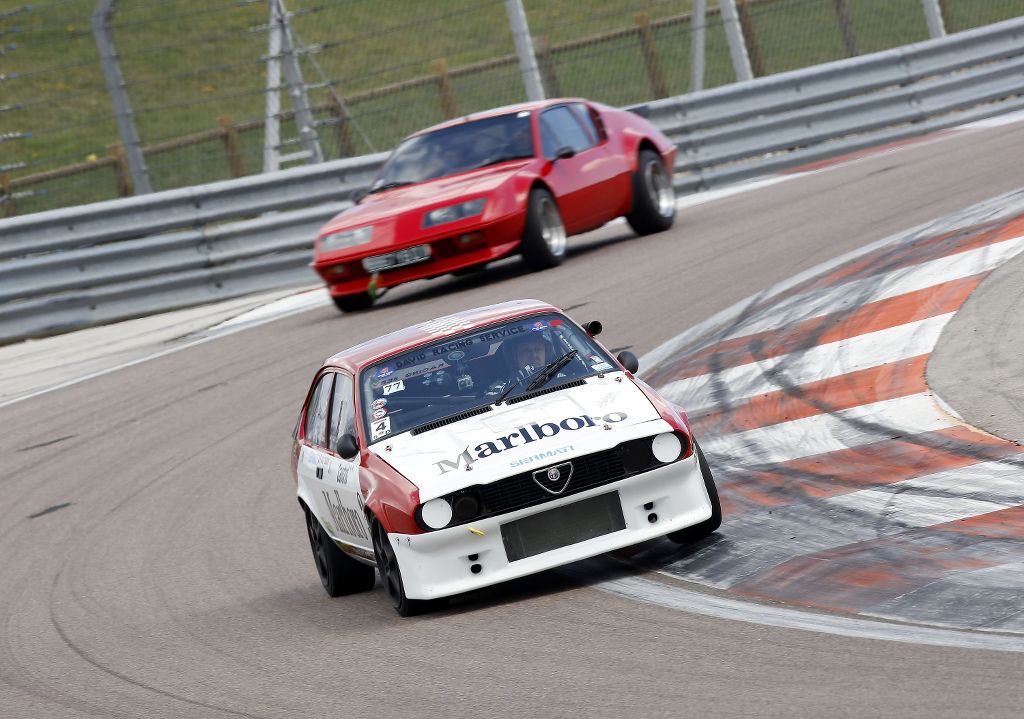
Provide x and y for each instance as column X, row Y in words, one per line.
column 195, row 72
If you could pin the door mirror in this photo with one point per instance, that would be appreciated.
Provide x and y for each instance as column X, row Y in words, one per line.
column 347, row 446
column 593, row 328
column 629, row 361
column 564, row 153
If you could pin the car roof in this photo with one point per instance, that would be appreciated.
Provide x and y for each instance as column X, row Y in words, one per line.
column 355, row 358
column 497, row 111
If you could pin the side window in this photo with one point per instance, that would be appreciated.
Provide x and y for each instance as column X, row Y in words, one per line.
column 316, row 412
column 343, row 415
column 559, row 128
column 586, row 116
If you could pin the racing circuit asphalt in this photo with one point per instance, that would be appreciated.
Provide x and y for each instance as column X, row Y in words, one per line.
column 154, row 561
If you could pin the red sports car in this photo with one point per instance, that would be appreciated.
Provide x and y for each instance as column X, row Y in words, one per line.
column 520, row 179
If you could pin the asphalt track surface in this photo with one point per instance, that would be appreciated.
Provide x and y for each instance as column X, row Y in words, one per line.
column 154, row 562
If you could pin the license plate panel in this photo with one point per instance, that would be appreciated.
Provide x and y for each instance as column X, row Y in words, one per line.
column 400, row 258
column 563, row 526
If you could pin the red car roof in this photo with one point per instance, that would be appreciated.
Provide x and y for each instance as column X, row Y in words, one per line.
column 355, row 358
column 495, row 112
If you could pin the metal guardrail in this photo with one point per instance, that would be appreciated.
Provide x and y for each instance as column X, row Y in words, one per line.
column 80, row 266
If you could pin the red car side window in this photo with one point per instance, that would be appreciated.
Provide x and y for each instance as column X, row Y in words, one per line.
column 316, row 413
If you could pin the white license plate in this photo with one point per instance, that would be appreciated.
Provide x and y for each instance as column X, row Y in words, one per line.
column 408, row 256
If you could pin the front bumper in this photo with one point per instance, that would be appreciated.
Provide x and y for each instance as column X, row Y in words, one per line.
column 492, row 241
column 437, row 564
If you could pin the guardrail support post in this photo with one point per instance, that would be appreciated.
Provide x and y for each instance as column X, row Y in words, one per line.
column 444, row 89
column 659, row 87
column 524, row 48
column 933, row 16
column 698, row 24
column 119, row 97
column 734, row 35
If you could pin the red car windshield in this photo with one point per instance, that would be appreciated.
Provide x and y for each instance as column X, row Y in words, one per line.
column 458, row 148
column 472, row 370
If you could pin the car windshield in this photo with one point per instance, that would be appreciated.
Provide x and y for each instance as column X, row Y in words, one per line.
column 456, row 149
column 473, row 370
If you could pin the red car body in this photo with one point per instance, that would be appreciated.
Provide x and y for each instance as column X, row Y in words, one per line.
column 590, row 187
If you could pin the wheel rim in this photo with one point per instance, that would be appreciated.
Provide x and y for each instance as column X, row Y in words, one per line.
column 316, row 542
column 388, row 562
column 551, row 227
column 659, row 188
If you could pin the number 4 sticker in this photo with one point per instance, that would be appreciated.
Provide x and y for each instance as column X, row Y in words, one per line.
column 381, row 428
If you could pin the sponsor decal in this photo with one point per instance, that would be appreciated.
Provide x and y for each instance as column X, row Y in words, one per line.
column 384, row 371
column 378, row 403
column 535, row 432
column 600, row 366
column 380, row 413
column 454, row 347
column 346, row 520
column 380, row 428
column 541, row 457
column 538, row 326
column 392, row 387
column 456, row 355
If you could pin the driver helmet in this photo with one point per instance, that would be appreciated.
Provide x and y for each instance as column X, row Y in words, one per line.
column 530, row 351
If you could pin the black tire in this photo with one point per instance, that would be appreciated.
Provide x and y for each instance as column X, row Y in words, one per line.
column 339, row 573
column 654, row 199
column 391, row 575
column 689, row 535
column 353, row 303
column 544, row 238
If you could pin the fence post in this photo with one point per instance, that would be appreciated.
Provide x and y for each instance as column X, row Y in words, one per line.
column 698, row 23
column 132, row 146
column 654, row 74
column 546, row 61
column 933, row 16
column 7, row 196
column 343, row 136
column 122, row 173
column 846, row 27
column 444, row 89
column 947, row 20
column 524, row 48
column 734, row 35
column 750, row 39
column 231, row 146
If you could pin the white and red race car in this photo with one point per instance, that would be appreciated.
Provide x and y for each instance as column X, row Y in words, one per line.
column 488, row 445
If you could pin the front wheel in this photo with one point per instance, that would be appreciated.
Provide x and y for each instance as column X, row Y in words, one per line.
column 544, row 238
column 353, row 303
column 339, row 573
column 689, row 535
column 654, row 198
column 391, row 575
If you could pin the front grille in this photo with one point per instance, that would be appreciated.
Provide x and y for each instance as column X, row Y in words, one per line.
column 519, row 491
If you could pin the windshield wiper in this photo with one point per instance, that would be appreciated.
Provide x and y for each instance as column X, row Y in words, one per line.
column 550, row 371
column 388, row 186
column 501, row 158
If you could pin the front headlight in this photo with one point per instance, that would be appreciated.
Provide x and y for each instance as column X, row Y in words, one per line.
column 436, row 513
column 453, row 213
column 348, row 238
column 666, row 447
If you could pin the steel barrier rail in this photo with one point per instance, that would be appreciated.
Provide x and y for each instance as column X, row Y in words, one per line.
column 86, row 265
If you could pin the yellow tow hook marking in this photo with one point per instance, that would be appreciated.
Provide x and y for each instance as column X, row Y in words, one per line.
column 477, row 532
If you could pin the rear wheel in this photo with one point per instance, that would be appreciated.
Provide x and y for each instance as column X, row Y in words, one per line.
column 353, row 303
column 654, row 198
column 391, row 575
column 544, row 238
column 339, row 573
column 688, row 535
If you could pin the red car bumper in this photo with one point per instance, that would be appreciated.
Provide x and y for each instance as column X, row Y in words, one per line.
column 466, row 248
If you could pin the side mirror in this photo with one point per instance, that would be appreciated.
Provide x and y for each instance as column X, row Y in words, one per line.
column 347, row 446
column 593, row 328
column 564, row 153
column 629, row 361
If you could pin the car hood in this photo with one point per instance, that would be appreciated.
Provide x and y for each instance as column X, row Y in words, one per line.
column 435, row 193
column 558, row 426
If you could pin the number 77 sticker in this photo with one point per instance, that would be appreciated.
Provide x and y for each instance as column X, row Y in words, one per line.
column 380, row 428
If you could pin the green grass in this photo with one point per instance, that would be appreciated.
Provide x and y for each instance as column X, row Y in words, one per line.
column 189, row 62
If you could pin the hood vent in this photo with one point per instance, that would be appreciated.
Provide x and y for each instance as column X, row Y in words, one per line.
column 544, row 390
column 452, row 418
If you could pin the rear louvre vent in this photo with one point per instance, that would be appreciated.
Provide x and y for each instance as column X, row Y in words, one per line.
column 545, row 390
column 451, row 419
